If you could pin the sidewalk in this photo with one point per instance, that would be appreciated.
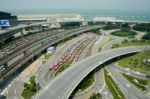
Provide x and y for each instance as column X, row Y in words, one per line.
column 15, row 88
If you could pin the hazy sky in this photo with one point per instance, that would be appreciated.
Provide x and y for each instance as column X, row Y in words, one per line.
column 39, row 5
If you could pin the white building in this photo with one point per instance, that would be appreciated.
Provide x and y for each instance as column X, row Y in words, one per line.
column 55, row 25
column 104, row 19
column 50, row 50
column 107, row 19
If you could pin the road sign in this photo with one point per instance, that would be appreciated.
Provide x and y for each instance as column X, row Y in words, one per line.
column 2, row 68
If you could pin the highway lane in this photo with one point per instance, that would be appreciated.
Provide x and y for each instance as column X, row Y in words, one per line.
column 61, row 35
column 11, row 29
column 52, row 40
column 108, row 45
column 44, row 78
column 30, row 55
column 86, row 51
column 118, row 79
column 132, row 72
column 99, row 83
column 108, row 32
column 129, row 90
column 139, row 34
column 21, row 26
column 13, row 91
column 63, row 85
column 40, row 23
column 116, row 40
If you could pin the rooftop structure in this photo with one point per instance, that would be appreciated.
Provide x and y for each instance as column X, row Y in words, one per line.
column 52, row 17
column 6, row 19
column 106, row 19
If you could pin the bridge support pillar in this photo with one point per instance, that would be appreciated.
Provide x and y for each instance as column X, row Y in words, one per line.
column 2, row 40
column 1, row 79
column 23, row 32
column 83, row 23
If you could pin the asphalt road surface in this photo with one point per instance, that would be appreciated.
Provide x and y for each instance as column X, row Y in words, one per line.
column 129, row 90
column 63, row 85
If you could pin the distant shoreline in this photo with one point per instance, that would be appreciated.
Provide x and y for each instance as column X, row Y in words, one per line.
column 119, row 17
column 142, row 15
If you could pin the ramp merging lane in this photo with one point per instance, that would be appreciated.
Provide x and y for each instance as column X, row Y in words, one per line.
column 63, row 85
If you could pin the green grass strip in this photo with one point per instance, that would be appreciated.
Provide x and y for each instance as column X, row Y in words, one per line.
column 141, row 84
column 114, row 89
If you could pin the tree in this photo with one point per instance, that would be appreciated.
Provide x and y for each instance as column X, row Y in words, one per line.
column 146, row 36
column 96, row 96
column 126, row 25
column 142, row 27
column 125, row 41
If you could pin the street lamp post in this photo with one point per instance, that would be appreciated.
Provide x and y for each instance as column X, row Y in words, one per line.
column 2, row 68
column 37, row 87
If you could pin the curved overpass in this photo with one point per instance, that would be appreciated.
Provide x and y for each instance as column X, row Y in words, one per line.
column 63, row 85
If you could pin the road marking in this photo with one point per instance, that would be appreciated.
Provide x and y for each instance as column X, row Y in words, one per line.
column 15, row 97
column 100, row 62
column 128, row 85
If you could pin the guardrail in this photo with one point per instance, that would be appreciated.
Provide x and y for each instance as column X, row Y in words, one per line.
column 63, row 85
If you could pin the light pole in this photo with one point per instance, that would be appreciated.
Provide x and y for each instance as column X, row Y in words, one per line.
column 120, row 25
column 37, row 87
column 2, row 68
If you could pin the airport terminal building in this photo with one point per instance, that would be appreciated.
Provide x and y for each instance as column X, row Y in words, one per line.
column 7, row 20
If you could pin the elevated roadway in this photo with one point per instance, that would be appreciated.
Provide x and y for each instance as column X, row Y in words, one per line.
column 129, row 91
column 13, row 30
column 63, row 85
column 49, row 41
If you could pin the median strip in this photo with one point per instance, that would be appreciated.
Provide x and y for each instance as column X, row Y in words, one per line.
column 139, row 83
column 114, row 89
